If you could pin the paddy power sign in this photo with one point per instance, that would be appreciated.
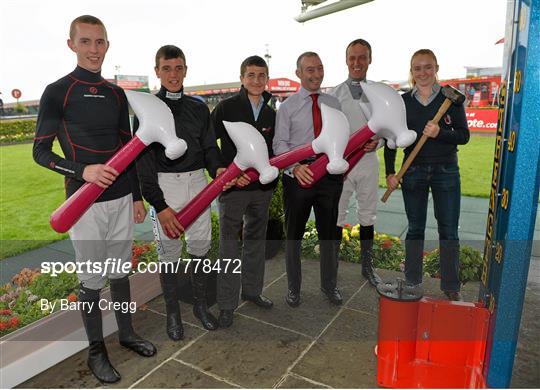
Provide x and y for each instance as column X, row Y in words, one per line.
column 482, row 120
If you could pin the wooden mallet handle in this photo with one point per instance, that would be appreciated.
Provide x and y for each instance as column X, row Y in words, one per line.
column 442, row 110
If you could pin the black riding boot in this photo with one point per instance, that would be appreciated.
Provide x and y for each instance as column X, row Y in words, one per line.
column 98, row 360
column 366, row 255
column 200, row 310
column 128, row 338
column 169, row 285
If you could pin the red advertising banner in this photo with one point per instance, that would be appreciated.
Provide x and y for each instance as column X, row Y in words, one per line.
column 482, row 120
column 283, row 85
column 132, row 82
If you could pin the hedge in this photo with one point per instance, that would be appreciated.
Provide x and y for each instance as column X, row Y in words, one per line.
column 17, row 131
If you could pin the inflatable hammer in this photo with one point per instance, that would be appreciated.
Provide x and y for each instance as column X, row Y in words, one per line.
column 251, row 152
column 156, row 125
column 388, row 120
column 332, row 142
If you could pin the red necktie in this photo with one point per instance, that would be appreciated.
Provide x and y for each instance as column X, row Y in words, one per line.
column 317, row 118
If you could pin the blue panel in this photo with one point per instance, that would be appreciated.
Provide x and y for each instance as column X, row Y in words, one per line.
column 521, row 177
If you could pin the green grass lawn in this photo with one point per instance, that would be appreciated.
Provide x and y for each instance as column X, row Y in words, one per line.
column 29, row 193
column 475, row 164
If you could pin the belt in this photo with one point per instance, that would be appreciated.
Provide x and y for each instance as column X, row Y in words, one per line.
column 289, row 171
column 308, row 160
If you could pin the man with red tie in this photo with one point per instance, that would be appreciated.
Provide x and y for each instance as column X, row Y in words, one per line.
column 298, row 122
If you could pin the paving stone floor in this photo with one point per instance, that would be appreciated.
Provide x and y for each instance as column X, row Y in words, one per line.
column 316, row 345
column 312, row 346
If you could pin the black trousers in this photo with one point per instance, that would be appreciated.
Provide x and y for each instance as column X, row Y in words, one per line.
column 324, row 198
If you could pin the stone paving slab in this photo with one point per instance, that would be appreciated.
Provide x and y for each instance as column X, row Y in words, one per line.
column 249, row 353
column 367, row 300
column 274, row 269
column 293, row 381
column 315, row 310
column 393, row 203
column 174, row 374
column 343, row 356
column 152, row 327
column 469, row 223
column 74, row 373
column 474, row 205
column 71, row 373
column 390, row 222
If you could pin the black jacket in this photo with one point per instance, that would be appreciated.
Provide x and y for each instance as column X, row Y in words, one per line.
column 237, row 108
column 193, row 125
column 442, row 149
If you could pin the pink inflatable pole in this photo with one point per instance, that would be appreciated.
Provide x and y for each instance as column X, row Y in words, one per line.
column 198, row 204
column 251, row 153
column 284, row 160
column 331, row 142
column 388, row 120
column 354, row 158
column 156, row 125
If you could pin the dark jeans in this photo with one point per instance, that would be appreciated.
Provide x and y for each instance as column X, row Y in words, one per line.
column 324, row 198
column 444, row 181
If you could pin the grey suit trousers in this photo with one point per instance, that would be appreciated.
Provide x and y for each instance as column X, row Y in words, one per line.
column 251, row 208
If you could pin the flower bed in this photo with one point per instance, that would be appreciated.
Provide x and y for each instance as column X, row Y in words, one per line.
column 389, row 253
column 20, row 299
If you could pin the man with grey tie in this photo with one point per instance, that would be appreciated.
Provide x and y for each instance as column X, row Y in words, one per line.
column 298, row 122
column 363, row 179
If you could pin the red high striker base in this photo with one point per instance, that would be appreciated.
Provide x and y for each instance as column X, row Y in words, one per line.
column 429, row 343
